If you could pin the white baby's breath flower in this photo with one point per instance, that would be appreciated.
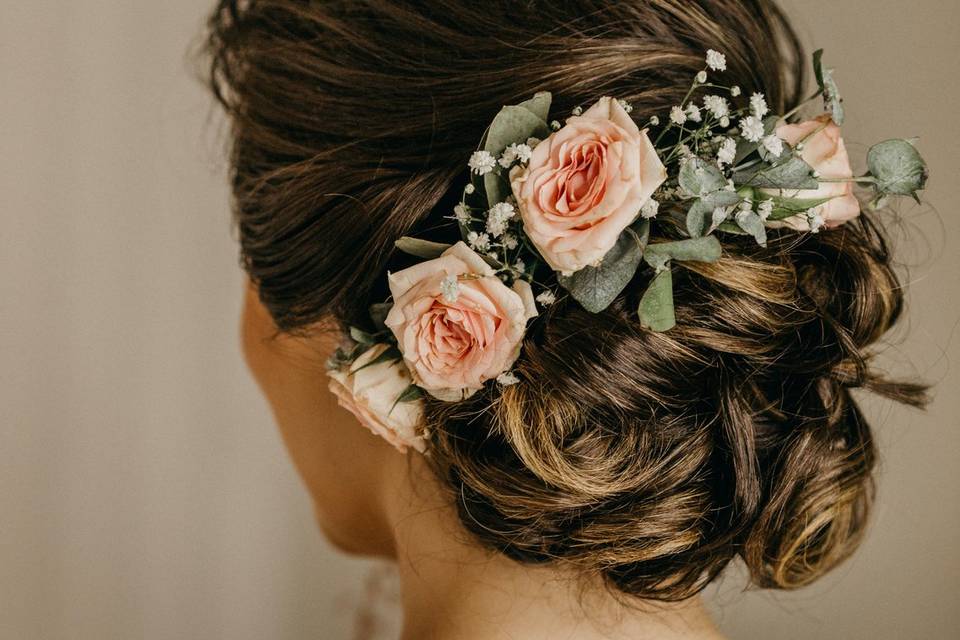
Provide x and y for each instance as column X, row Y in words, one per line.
column 717, row 105
column 461, row 213
column 577, row 111
column 533, row 142
column 496, row 226
column 716, row 60
column 497, row 218
column 479, row 241
column 649, row 208
column 626, row 105
column 774, row 145
column 503, row 211
column 765, row 208
column 482, row 162
column 693, row 112
column 727, row 151
column 509, row 241
column 450, row 288
column 725, row 122
column 685, row 151
column 752, row 128
column 515, row 152
column 677, row 115
column 522, row 151
column 702, row 77
column 469, row 189
column 555, row 125
column 758, row 105
column 507, row 378
column 654, row 121
column 735, row 91
column 546, row 298
column 520, row 266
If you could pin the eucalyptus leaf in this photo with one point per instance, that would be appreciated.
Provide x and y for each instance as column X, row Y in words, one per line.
column 898, row 168
column 497, row 187
column 656, row 306
column 513, row 125
column 421, row 248
column 828, row 85
column 705, row 249
column 699, row 216
column 784, row 207
column 697, row 219
column 539, row 105
column 793, row 173
column 831, row 97
column 698, row 177
column 596, row 287
column 753, row 224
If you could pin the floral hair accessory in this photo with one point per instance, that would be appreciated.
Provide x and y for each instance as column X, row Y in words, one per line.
column 371, row 384
column 569, row 208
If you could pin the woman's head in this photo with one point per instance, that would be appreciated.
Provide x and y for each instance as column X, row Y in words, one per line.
column 649, row 459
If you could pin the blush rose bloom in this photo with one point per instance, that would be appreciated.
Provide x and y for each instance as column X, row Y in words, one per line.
column 585, row 184
column 370, row 392
column 453, row 347
column 827, row 154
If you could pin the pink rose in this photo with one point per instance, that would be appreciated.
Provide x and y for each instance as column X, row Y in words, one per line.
column 370, row 392
column 585, row 184
column 826, row 153
column 452, row 344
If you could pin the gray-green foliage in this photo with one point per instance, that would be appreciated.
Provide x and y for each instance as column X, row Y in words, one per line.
column 656, row 306
column 699, row 216
column 753, row 224
column 596, row 287
column 698, row 177
column 514, row 124
column 897, row 167
column 831, row 93
column 791, row 173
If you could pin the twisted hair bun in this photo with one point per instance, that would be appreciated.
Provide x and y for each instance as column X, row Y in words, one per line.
column 651, row 459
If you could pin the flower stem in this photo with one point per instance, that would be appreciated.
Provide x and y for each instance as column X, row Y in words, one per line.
column 802, row 104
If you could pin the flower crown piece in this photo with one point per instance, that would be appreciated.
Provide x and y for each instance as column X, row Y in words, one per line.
column 579, row 199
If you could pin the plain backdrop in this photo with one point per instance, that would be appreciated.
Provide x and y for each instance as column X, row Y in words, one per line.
column 143, row 490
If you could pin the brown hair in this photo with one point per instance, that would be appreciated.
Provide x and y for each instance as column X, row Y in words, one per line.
column 651, row 459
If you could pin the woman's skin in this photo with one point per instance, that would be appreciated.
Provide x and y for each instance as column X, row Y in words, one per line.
column 371, row 500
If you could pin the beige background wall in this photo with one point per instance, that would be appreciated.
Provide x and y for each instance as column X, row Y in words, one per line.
column 143, row 492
